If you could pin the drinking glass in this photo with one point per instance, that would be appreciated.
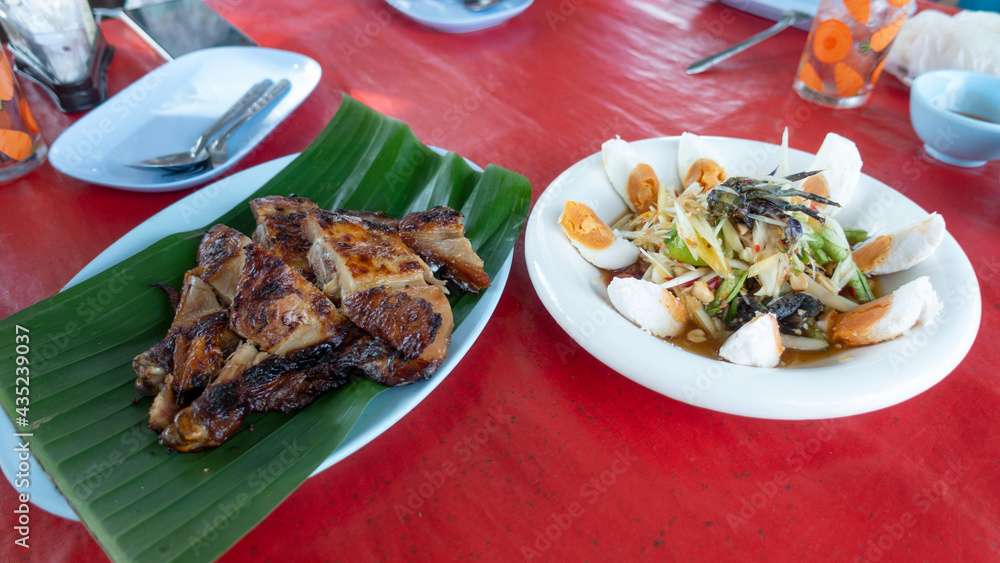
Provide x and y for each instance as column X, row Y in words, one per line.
column 846, row 49
column 57, row 44
column 21, row 145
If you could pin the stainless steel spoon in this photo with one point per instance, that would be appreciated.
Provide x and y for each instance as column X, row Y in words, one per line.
column 476, row 5
column 193, row 155
column 218, row 152
column 788, row 18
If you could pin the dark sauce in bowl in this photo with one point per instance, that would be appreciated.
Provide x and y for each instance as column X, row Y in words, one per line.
column 976, row 117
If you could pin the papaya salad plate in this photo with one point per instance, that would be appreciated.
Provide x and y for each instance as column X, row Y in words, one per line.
column 934, row 299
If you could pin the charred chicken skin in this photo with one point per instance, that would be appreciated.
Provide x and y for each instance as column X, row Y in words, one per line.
column 292, row 332
column 351, row 254
column 376, row 359
column 252, row 333
column 277, row 309
column 438, row 236
column 254, row 382
column 279, row 229
column 220, row 256
column 179, row 367
column 384, row 289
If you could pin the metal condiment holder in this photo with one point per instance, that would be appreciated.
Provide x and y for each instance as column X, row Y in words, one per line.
column 80, row 96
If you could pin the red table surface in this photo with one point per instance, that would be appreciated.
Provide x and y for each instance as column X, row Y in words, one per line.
column 549, row 454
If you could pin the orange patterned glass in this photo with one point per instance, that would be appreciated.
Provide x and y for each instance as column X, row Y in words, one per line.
column 846, row 49
column 21, row 145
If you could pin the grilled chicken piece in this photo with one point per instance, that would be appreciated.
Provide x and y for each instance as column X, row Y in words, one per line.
column 279, row 228
column 277, row 309
column 350, row 254
column 438, row 236
column 298, row 344
column 165, row 408
column 220, row 255
column 384, row 290
column 390, row 360
column 188, row 430
column 178, row 368
column 375, row 359
column 200, row 351
column 199, row 319
column 401, row 317
column 199, row 354
column 254, row 382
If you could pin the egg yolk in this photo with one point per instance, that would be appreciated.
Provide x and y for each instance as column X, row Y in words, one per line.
column 585, row 227
column 853, row 326
column 642, row 187
column 873, row 254
column 817, row 185
column 706, row 172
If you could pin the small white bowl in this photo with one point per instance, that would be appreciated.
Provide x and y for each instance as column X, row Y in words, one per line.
column 450, row 16
column 956, row 113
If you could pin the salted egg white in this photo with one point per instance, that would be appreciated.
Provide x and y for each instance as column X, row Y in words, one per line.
column 650, row 306
column 598, row 243
column 698, row 161
column 840, row 162
column 901, row 249
column 619, row 161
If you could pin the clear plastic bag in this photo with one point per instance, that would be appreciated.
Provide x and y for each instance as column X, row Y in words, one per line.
column 932, row 40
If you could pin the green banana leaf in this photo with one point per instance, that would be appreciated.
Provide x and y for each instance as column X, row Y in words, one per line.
column 141, row 503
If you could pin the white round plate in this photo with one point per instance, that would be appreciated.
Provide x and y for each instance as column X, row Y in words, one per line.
column 196, row 210
column 857, row 381
column 166, row 110
column 450, row 16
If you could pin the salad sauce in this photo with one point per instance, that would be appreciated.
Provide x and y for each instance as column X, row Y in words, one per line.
column 710, row 347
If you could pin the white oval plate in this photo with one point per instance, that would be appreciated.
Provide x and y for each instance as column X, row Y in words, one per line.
column 165, row 111
column 450, row 16
column 194, row 211
column 859, row 380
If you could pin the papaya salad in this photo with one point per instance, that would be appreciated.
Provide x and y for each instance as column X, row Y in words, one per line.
column 749, row 267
